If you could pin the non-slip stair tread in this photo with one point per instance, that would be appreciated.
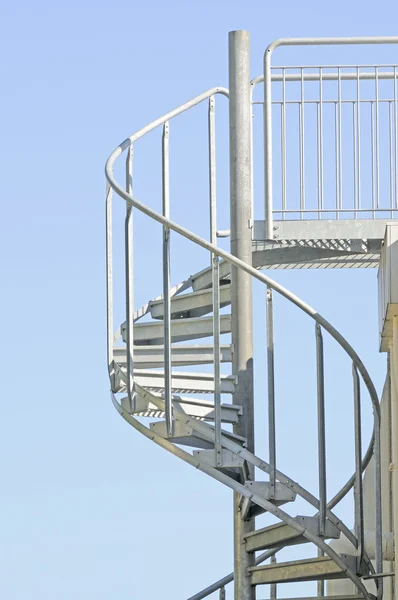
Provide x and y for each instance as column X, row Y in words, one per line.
column 341, row 597
column 193, row 304
column 203, row 410
column 282, row 534
column 181, row 382
column 152, row 356
column 181, row 330
column 312, row 569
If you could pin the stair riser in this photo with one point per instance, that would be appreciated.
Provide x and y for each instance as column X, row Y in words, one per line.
column 191, row 305
column 181, row 330
column 265, row 542
column 284, row 576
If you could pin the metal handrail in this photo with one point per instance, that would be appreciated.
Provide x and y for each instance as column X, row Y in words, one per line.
column 217, row 252
column 330, row 41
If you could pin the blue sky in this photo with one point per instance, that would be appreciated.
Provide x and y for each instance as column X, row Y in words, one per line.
column 91, row 510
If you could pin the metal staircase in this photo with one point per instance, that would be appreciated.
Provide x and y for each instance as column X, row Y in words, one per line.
column 193, row 414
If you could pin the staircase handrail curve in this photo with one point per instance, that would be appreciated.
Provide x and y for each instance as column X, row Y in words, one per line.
column 232, row 260
column 223, row 581
column 237, row 487
column 207, row 432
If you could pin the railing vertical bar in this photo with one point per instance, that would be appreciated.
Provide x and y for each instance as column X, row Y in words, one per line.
column 318, row 130
column 396, row 137
column 321, row 583
column 271, row 393
column 268, row 183
column 215, row 282
column 166, row 281
column 109, row 279
column 283, row 142
column 321, row 428
column 377, row 138
column 358, row 487
column 222, row 595
column 302, row 146
column 129, row 282
column 321, row 138
column 372, row 144
column 358, row 143
column 340, row 139
column 272, row 588
column 336, row 144
column 378, row 504
column 391, row 160
column 355, row 156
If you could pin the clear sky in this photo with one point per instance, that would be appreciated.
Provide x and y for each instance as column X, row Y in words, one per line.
column 90, row 510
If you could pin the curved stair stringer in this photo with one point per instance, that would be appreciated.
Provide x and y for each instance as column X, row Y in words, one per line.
column 208, row 432
column 238, row 487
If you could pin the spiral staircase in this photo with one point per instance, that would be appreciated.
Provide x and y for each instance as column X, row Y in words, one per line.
column 192, row 414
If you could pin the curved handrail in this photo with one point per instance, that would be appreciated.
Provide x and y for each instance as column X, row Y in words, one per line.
column 235, row 486
column 171, row 225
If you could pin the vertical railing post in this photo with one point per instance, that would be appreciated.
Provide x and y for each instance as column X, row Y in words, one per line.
column 302, row 143
column 271, row 394
column 272, row 587
column 241, row 283
column 166, row 282
column 321, row 428
column 215, row 284
column 269, row 225
column 129, row 283
column 358, row 487
column 321, row 582
column 109, row 282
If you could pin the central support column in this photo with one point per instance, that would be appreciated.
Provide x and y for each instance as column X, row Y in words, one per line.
column 241, row 285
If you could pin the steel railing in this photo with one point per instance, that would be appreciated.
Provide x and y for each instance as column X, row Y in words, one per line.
column 321, row 324
column 328, row 134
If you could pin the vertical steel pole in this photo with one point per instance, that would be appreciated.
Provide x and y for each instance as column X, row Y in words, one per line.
column 394, row 433
column 129, row 283
column 241, row 284
column 320, row 376
column 271, row 393
column 215, row 268
column 166, row 283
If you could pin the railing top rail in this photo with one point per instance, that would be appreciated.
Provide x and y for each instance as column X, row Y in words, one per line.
column 167, row 117
column 339, row 76
column 330, row 41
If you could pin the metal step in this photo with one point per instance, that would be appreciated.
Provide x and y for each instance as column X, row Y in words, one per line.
column 195, row 304
column 229, row 459
column 146, row 334
column 309, row 569
column 281, row 534
column 185, row 383
column 200, row 409
column 281, row 495
column 152, row 357
column 181, row 383
column 203, row 279
column 341, row 597
column 186, row 436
